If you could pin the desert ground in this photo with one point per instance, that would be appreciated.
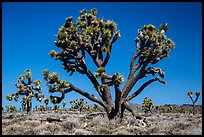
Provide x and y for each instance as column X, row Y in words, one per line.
column 97, row 123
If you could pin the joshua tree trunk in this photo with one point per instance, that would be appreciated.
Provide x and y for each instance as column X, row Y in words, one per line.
column 46, row 107
column 194, row 108
column 28, row 106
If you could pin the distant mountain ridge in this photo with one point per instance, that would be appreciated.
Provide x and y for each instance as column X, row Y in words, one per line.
column 134, row 105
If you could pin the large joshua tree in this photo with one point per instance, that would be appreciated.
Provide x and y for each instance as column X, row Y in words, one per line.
column 94, row 37
column 28, row 88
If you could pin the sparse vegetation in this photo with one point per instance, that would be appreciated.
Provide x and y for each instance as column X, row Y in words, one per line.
column 74, row 124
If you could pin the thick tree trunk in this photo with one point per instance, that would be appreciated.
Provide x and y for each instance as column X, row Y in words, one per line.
column 28, row 106
column 193, row 108
column 119, row 112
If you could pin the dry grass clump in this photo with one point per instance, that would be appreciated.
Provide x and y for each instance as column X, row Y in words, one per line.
column 121, row 132
column 16, row 129
column 83, row 132
column 69, row 126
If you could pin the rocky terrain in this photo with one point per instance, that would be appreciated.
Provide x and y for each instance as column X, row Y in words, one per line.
column 96, row 123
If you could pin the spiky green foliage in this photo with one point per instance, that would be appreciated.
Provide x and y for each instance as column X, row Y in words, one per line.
column 96, row 108
column 42, row 108
column 28, row 88
column 164, row 27
column 46, row 101
column 55, row 85
column 64, row 103
column 119, row 78
column 11, row 108
column 171, row 109
column 79, row 105
column 56, row 107
column 100, row 73
column 190, row 94
column 147, row 105
column 88, row 34
column 156, row 43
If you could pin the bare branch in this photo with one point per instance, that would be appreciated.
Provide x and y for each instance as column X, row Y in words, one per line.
column 153, row 71
column 86, row 94
column 144, row 86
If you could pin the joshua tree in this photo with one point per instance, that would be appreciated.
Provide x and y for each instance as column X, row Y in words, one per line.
column 97, row 108
column 35, row 108
column 94, row 37
column 27, row 88
column 46, row 101
column 11, row 108
column 147, row 105
column 42, row 108
column 190, row 94
column 79, row 105
column 171, row 109
column 156, row 109
column 64, row 104
column 56, row 107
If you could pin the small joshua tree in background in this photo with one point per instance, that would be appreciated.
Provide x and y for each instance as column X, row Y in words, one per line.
column 64, row 104
column 96, row 108
column 42, row 108
column 79, row 105
column 156, row 109
column 190, row 94
column 92, row 36
column 46, row 101
column 11, row 108
column 28, row 88
column 56, row 108
column 147, row 105
column 171, row 109
column 35, row 108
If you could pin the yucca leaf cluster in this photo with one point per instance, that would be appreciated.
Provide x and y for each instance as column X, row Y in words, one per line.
column 55, row 85
column 88, row 34
column 147, row 105
column 154, row 42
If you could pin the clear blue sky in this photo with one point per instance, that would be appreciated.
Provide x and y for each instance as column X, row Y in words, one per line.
column 28, row 35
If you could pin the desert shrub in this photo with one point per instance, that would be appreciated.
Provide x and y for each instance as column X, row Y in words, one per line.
column 147, row 105
column 69, row 126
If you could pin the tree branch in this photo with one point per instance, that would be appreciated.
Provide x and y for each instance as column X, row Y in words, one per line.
column 153, row 71
column 91, row 97
column 132, row 81
column 107, row 56
column 144, row 86
column 90, row 75
column 117, row 96
column 129, row 108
